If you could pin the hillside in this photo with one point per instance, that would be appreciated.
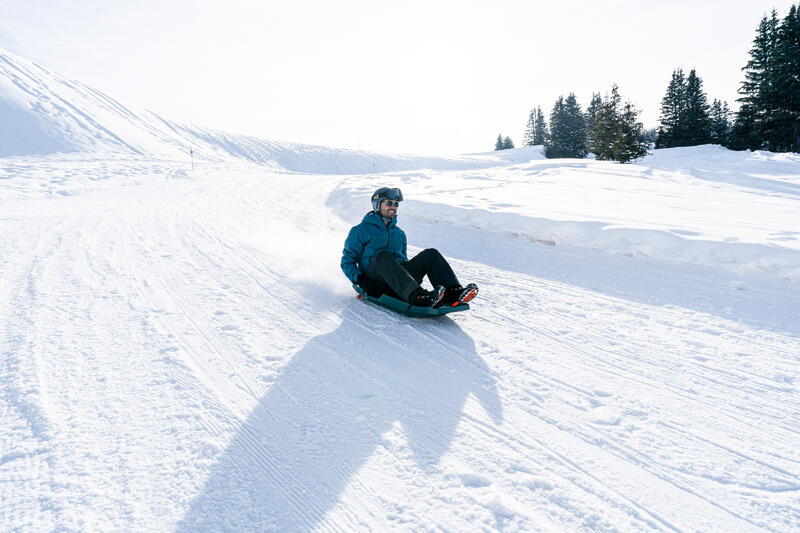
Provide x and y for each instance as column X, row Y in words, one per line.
column 41, row 112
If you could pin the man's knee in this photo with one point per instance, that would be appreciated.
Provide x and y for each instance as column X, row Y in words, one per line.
column 431, row 252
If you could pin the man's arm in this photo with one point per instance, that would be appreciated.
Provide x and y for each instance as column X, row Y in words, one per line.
column 351, row 255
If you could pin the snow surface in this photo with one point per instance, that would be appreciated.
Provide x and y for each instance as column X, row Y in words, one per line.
column 180, row 351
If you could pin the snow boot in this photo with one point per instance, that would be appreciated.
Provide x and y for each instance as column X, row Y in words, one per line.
column 423, row 298
column 457, row 294
column 469, row 292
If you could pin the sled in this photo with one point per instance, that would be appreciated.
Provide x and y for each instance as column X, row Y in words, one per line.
column 404, row 308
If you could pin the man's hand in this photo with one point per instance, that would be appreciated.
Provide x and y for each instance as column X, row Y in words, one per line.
column 372, row 287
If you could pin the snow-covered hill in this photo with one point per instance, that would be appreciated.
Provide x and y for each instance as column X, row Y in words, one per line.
column 179, row 350
column 42, row 112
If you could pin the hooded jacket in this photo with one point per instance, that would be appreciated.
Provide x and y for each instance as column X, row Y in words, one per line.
column 368, row 239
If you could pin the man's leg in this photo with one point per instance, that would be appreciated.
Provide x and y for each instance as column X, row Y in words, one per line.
column 431, row 263
column 385, row 269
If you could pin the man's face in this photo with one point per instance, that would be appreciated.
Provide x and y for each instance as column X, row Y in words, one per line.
column 389, row 211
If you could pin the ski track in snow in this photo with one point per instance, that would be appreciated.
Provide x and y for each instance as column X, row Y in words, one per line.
column 183, row 354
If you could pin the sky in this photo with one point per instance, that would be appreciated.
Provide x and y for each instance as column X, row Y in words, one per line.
column 415, row 77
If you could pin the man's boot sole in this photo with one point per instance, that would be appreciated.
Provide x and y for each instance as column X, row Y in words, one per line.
column 467, row 296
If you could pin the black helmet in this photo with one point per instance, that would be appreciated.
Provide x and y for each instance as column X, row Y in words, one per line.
column 383, row 193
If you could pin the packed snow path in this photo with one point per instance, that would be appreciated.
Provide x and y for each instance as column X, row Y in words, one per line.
column 184, row 354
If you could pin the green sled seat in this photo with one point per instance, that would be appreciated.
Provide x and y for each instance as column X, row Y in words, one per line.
column 404, row 308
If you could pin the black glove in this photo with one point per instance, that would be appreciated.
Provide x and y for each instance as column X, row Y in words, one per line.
column 372, row 287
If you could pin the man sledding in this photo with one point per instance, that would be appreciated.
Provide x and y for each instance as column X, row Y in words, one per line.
column 374, row 258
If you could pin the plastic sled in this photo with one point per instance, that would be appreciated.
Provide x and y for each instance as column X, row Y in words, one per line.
column 404, row 308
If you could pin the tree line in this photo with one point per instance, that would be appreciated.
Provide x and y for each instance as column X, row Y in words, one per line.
column 768, row 117
column 608, row 128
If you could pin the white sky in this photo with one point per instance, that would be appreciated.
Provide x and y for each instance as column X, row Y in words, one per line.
column 410, row 76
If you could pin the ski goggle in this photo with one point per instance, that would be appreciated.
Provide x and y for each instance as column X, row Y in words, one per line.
column 394, row 194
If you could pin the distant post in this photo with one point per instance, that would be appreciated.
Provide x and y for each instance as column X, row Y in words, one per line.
column 191, row 154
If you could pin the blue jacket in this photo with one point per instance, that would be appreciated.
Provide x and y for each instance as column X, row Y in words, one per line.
column 368, row 239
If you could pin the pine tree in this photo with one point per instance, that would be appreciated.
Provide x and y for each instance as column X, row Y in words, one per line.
column 591, row 111
column 769, row 115
column 745, row 134
column 567, row 130
column 721, row 127
column 631, row 142
column 695, row 123
column 540, row 128
column 555, row 143
column 757, row 94
column 507, row 143
column 770, row 100
column 787, row 82
column 530, row 130
column 616, row 133
column 498, row 145
column 684, row 112
column 576, row 127
column 671, row 131
column 605, row 127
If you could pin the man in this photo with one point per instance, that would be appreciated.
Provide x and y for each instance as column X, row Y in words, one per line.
column 375, row 259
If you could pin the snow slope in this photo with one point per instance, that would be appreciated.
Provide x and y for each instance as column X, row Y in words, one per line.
column 180, row 351
column 42, row 112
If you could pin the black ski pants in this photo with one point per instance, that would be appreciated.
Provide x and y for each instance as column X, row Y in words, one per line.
column 404, row 277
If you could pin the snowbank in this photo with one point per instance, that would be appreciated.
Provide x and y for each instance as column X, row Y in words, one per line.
column 700, row 206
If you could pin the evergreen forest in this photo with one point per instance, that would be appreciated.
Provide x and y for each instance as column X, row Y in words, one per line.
column 767, row 118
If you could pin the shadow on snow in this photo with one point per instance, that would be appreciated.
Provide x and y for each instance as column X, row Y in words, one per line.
column 328, row 412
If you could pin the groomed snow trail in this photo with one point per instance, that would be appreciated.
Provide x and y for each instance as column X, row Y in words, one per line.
column 184, row 354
